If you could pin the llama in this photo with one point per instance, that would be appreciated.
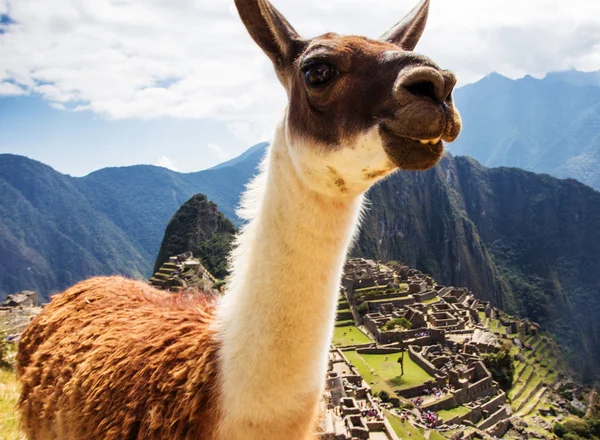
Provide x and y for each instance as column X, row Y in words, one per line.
column 112, row 358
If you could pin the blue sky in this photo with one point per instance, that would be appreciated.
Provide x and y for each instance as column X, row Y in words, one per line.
column 86, row 84
column 77, row 143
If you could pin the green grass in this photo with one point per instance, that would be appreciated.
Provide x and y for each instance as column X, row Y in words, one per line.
column 388, row 372
column 377, row 383
column 406, row 430
column 526, row 394
column 349, row 335
column 345, row 323
column 447, row 414
column 9, row 418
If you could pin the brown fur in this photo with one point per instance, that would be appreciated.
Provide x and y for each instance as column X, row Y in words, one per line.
column 115, row 359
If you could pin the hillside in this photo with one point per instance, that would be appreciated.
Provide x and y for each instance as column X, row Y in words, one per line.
column 549, row 126
column 56, row 229
column 200, row 228
column 527, row 242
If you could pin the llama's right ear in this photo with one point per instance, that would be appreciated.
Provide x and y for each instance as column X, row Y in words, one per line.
column 270, row 30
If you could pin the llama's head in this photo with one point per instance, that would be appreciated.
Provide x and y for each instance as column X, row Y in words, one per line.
column 358, row 108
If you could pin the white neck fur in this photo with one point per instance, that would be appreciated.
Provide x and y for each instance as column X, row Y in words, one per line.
column 277, row 319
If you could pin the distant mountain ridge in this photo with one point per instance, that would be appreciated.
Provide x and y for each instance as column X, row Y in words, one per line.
column 56, row 229
column 549, row 125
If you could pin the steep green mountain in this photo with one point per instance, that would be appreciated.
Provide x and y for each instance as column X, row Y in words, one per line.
column 200, row 228
column 528, row 242
column 50, row 233
column 549, row 126
column 56, row 230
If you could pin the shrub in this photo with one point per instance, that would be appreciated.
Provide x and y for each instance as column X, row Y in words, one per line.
column 398, row 322
column 578, row 426
column 501, row 366
column 571, row 436
column 575, row 411
column 560, row 430
column 384, row 396
column 363, row 308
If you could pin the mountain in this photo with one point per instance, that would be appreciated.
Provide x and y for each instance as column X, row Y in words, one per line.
column 252, row 154
column 56, row 229
column 575, row 77
column 528, row 242
column 200, row 228
column 549, row 126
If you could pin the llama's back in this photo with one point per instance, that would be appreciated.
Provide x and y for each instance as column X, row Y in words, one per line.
column 112, row 358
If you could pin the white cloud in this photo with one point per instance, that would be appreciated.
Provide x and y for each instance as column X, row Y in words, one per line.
column 10, row 89
column 166, row 162
column 194, row 59
column 221, row 153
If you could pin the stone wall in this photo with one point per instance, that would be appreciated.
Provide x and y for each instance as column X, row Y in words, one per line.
column 421, row 361
column 500, row 428
column 499, row 415
column 448, row 402
column 378, row 350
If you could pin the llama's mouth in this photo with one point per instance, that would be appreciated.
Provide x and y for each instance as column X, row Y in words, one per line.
column 411, row 154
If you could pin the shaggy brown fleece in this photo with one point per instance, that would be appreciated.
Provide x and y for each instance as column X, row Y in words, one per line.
column 115, row 359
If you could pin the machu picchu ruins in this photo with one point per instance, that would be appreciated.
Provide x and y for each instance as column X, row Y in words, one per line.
column 409, row 353
column 183, row 272
column 407, row 358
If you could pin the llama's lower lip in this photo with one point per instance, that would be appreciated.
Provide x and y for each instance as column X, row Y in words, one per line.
column 408, row 153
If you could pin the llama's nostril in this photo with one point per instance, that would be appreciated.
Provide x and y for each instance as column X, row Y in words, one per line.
column 423, row 88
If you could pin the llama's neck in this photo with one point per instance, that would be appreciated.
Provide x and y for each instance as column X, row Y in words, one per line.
column 278, row 316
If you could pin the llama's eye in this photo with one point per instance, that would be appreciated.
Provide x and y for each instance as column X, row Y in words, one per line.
column 319, row 74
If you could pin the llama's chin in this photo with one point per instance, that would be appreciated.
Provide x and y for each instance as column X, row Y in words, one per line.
column 410, row 154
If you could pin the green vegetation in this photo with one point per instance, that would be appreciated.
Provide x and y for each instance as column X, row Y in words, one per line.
column 349, row 335
column 447, row 414
column 387, row 372
column 395, row 323
column 406, row 430
column 200, row 228
column 501, row 366
column 574, row 428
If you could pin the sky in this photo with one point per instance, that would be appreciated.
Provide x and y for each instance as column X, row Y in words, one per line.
column 86, row 84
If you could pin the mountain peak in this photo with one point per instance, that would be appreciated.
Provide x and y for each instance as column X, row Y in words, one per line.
column 574, row 77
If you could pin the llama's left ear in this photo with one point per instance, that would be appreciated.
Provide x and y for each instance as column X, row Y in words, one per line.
column 270, row 30
column 408, row 31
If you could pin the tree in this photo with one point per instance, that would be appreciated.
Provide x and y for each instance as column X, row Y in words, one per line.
column 401, row 360
column 502, row 367
column 398, row 322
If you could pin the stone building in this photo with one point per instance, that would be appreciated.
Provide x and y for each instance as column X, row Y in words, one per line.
column 25, row 298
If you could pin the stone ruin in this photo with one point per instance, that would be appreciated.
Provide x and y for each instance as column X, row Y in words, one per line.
column 446, row 339
column 349, row 411
column 26, row 298
column 184, row 273
column 16, row 312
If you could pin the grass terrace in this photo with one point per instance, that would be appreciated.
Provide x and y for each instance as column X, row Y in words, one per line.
column 349, row 335
column 447, row 414
column 387, row 372
column 406, row 430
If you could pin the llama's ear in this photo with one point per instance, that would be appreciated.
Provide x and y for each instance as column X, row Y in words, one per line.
column 270, row 30
column 408, row 31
